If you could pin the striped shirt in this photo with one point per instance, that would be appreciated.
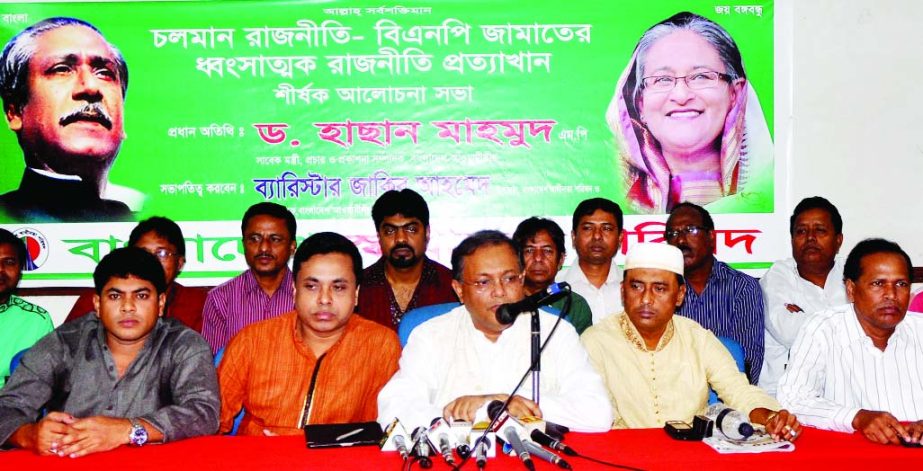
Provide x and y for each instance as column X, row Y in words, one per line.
column 731, row 305
column 240, row 302
column 835, row 370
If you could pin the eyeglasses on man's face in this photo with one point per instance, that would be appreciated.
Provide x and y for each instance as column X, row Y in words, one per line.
column 486, row 284
column 690, row 230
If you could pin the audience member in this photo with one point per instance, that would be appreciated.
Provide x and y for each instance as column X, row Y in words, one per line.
column 263, row 291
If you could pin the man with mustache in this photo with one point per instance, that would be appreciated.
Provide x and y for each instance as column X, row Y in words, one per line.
column 859, row 367
column 721, row 299
column 63, row 88
column 542, row 252
column 596, row 235
column 809, row 282
column 266, row 289
column 403, row 278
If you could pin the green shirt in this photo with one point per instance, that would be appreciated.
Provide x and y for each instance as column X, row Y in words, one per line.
column 579, row 315
column 21, row 325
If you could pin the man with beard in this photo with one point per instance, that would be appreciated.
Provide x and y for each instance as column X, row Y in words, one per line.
column 721, row 299
column 264, row 291
column 858, row 367
column 403, row 278
column 596, row 235
column 63, row 88
column 809, row 282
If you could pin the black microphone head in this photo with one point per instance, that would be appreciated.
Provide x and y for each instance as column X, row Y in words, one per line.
column 504, row 315
column 495, row 408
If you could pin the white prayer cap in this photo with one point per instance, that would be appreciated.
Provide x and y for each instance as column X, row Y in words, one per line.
column 653, row 255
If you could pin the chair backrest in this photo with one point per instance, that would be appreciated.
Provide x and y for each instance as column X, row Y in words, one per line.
column 737, row 351
column 417, row 316
column 14, row 362
column 240, row 416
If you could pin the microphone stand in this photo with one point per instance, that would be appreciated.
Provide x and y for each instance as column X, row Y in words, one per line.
column 536, row 355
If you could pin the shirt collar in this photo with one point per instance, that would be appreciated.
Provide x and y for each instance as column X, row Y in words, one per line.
column 250, row 283
column 631, row 333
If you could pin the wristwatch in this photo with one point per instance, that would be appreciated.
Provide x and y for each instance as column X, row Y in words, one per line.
column 138, row 434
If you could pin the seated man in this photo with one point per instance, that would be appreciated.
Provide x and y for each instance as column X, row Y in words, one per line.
column 859, row 367
column 314, row 365
column 265, row 289
column 164, row 239
column 122, row 376
column 723, row 300
column 658, row 366
column 404, row 278
column 796, row 288
column 455, row 364
column 21, row 322
column 542, row 252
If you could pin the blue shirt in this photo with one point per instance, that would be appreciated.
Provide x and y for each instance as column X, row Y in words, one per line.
column 731, row 305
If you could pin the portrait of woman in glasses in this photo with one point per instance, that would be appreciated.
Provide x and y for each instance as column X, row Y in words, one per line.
column 688, row 124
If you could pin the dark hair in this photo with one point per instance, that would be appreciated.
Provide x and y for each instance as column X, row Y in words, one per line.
column 590, row 206
column 164, row 228
column 275, row 210
column 816, row 202
column 7, row 237
column 475, row 241
column 853, row 267
column 328, row 242
column 527, row 229
column 707, row 221
column 406, row 202
column 19, row 51
column 129, row 261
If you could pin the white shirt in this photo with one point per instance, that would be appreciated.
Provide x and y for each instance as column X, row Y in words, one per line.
column 836, row 370
column 783, row 285
column 447, row 357
column 605, row 300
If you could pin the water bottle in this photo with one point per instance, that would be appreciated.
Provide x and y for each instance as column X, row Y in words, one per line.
column 733, row 424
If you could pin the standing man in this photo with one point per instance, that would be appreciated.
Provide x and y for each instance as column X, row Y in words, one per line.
column 658, row 366
column 323, row 364
column 542, row 252
column 63, row 88
column 163, row 239
column 454, row 365
column 859, row 366
column 21, row 322
column 263, row 291
column 403, row 278
column 123, row 376
column 721, row 299
column 596, row 235
column 809, row 282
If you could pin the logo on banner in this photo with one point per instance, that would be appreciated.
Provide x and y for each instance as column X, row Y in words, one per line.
column 36, row 247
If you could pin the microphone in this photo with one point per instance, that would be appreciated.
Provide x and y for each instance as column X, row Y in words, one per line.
column 440, row 429
column 546, row 440
column 506, row 313
column 524, row 425
column 421, row 450
column 480, row 451
column 546, row 455
column 395, row 438
column 512, row 437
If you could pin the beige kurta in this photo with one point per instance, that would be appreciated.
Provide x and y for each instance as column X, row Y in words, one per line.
column 650, row 387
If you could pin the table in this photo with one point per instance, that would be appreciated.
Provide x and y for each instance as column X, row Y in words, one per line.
column 649, row 449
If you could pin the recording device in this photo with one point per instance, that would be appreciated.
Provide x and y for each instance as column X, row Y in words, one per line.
column 507, row 313
column 511, row 436
column 546, row 455
column 421, row 447
column 481, row 447
column 678, row 430
column 395, row 438
column 544, row 439
column 341, row 435
column 731, row 423
column 445, row 441
column 524, row 425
